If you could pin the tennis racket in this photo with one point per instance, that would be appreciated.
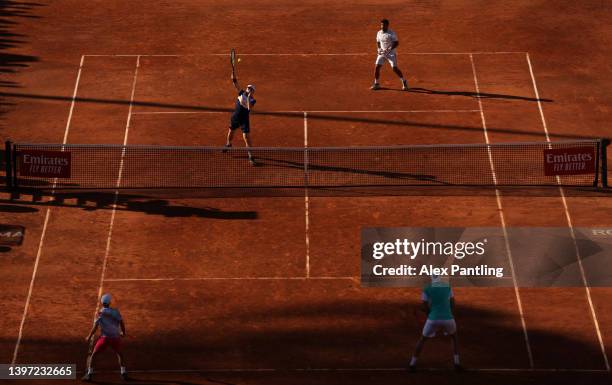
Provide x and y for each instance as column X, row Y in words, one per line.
column 233, row 62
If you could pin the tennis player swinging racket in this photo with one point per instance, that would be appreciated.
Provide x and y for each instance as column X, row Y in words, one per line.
column 240, row 116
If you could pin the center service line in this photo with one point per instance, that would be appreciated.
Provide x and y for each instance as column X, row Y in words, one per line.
column 501, row 216
column 306, row 203
column 114, row 211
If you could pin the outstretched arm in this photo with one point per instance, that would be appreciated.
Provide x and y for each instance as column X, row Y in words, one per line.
column 235, row 82
column 92, row 332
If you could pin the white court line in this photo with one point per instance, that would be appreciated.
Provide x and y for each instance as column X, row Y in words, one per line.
column 315, row 54
column 502, row 219
column 306, row 203
column 230, row 279
column 439, row 369
column 119, row 177
column 47, row 215
column 73, row 101
column 27, row 303
column 570, row 225
column 312, row 112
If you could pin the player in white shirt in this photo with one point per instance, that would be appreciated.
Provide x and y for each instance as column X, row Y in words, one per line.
column 112, row 328
column 387, row 42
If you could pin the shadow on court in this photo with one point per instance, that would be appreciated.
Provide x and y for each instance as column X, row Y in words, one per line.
column 332, row 340
column 10, row 40
column 201, row 380
column 159, row 201
column 16, row 209
column 11, row 61
column 340, row 377
column 312, row 116
column 476, row 95
column 125, row 202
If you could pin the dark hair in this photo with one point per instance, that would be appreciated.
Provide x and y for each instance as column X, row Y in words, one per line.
column 385, row 21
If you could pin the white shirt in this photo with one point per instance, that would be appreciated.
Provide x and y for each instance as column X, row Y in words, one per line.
column 386, row 39
column 109, row 320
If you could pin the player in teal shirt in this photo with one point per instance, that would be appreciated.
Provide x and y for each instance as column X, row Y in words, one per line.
column 439, row 304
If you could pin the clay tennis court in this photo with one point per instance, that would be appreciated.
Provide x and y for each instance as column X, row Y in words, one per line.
column 266, row 289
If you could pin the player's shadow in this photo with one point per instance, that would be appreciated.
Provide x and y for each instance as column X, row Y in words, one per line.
column 353, row 170
column 477, row 95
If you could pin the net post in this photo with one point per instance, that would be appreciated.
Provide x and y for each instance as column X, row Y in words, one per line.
column 14, row 165
column 8, row 160
column 604, row 162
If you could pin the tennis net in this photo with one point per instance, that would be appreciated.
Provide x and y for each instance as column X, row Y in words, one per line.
column 102, row 166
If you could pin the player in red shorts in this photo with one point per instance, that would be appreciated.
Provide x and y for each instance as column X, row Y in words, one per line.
column 112, row 329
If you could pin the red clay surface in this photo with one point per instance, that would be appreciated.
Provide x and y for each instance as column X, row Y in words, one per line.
column 218, row 286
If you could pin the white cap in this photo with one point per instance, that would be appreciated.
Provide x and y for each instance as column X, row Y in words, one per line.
column 251, row 87
column 106, row 299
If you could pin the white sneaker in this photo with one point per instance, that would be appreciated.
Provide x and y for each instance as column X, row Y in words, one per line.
column 375, row 86
column 405, row 86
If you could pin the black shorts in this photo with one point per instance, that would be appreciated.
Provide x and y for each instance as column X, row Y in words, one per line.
column 240, row 121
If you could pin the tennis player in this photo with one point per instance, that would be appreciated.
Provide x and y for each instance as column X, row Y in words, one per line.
column 240, row 116
column 387, row 42
column 439, row 304
column 112, row 328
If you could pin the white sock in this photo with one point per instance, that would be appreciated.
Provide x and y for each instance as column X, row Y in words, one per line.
column 413, row 361
column 456, row 359
column 375, row 81
column 402, row 79
column 123, row 370
column 90, row 370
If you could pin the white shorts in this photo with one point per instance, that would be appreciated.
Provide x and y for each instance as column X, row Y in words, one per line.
column 447, row 326
column 390, row 57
